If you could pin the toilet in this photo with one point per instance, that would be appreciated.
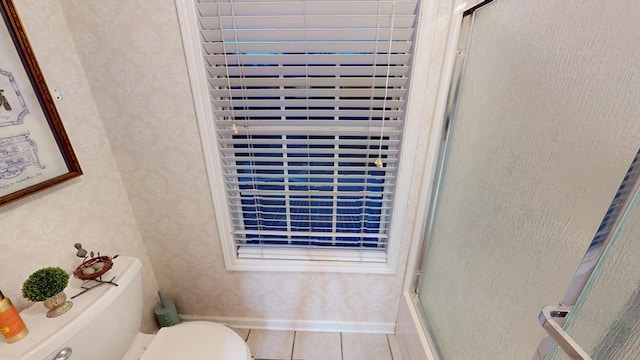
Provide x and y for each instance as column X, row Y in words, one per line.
column 103, row 325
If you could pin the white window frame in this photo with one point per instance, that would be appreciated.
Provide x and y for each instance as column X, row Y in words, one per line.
column 351, row 261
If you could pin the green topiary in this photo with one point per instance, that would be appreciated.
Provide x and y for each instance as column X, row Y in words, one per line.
column 45, row 283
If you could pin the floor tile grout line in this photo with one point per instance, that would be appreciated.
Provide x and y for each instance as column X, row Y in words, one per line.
column 293, row 345
column 389, row 346
column 341, row 349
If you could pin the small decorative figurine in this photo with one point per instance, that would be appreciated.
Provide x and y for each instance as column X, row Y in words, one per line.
column 81, row 252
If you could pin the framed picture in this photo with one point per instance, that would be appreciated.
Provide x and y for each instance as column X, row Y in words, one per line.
column 35, row 152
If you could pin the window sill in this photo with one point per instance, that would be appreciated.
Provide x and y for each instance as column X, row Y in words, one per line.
column 310, row 260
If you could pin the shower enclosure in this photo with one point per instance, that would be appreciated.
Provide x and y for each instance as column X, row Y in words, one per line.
column 543, row 128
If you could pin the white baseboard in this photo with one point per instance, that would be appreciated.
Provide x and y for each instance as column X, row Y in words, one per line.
column 297, row 325
column 413, row 340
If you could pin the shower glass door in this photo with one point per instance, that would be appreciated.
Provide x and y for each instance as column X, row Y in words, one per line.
column 544, row 129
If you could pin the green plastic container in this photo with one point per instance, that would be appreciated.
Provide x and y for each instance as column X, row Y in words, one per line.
column 166, row 312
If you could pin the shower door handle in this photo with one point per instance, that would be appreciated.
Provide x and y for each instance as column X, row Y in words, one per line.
column 563, row 340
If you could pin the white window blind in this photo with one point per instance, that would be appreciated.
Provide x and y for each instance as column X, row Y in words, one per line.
column 308, row 100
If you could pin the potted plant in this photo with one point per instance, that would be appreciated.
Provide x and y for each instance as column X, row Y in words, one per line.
column 47, row 285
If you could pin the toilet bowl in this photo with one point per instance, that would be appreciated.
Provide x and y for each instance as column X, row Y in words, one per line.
column 103, row 325
column 197, row 340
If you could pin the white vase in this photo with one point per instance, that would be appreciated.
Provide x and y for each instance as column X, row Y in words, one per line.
column 57, row 305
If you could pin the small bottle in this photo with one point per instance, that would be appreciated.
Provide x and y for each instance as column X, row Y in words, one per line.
column 11, row 325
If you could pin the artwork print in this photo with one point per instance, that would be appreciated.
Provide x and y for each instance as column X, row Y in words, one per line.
column 35, row 152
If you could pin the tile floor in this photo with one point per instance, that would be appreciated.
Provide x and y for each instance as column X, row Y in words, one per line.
column 303, row 345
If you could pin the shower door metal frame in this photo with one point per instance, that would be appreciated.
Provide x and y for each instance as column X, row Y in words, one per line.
column 466, row 28
column 455, row 79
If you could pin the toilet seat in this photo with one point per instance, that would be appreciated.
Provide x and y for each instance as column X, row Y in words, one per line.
column 197, row 340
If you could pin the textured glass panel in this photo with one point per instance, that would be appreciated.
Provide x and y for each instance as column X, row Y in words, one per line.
column 606, row 320
column 545, row 129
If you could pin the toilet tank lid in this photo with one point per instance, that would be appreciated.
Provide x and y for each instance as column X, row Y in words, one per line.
column 197, row 340
column 46, row 335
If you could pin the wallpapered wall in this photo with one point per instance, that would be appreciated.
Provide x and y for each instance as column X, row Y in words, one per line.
column 93, row 209
column 134, row 62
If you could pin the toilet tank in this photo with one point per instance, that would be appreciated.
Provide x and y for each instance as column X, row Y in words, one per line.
column 100, row 326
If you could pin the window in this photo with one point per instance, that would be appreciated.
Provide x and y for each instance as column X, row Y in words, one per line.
column 307, row 102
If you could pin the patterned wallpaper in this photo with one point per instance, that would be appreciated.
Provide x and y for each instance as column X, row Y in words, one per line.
column 131, row 51
column 93, row 209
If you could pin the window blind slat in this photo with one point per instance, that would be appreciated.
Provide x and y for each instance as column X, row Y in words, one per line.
column 256, row 130
column 268, row 156
column 312, row 77
column 271, row 8
column 317, row 197
column 266, row 169
column 401, row 34
column 292, row 181
column 317, row 70
column 389, row 166
column 341, row 112
column 303, row 234
column 313, row 154
column 316, row 237
column 311, row 127
column 346, row 194
column 302, row 47
column 311, row 253
column 309, row 21
column 312, row 103
column 312, row 143
column 303, row 215
column 311, row 93
column 314, row 59
column 315, row 217
column 347, row 215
